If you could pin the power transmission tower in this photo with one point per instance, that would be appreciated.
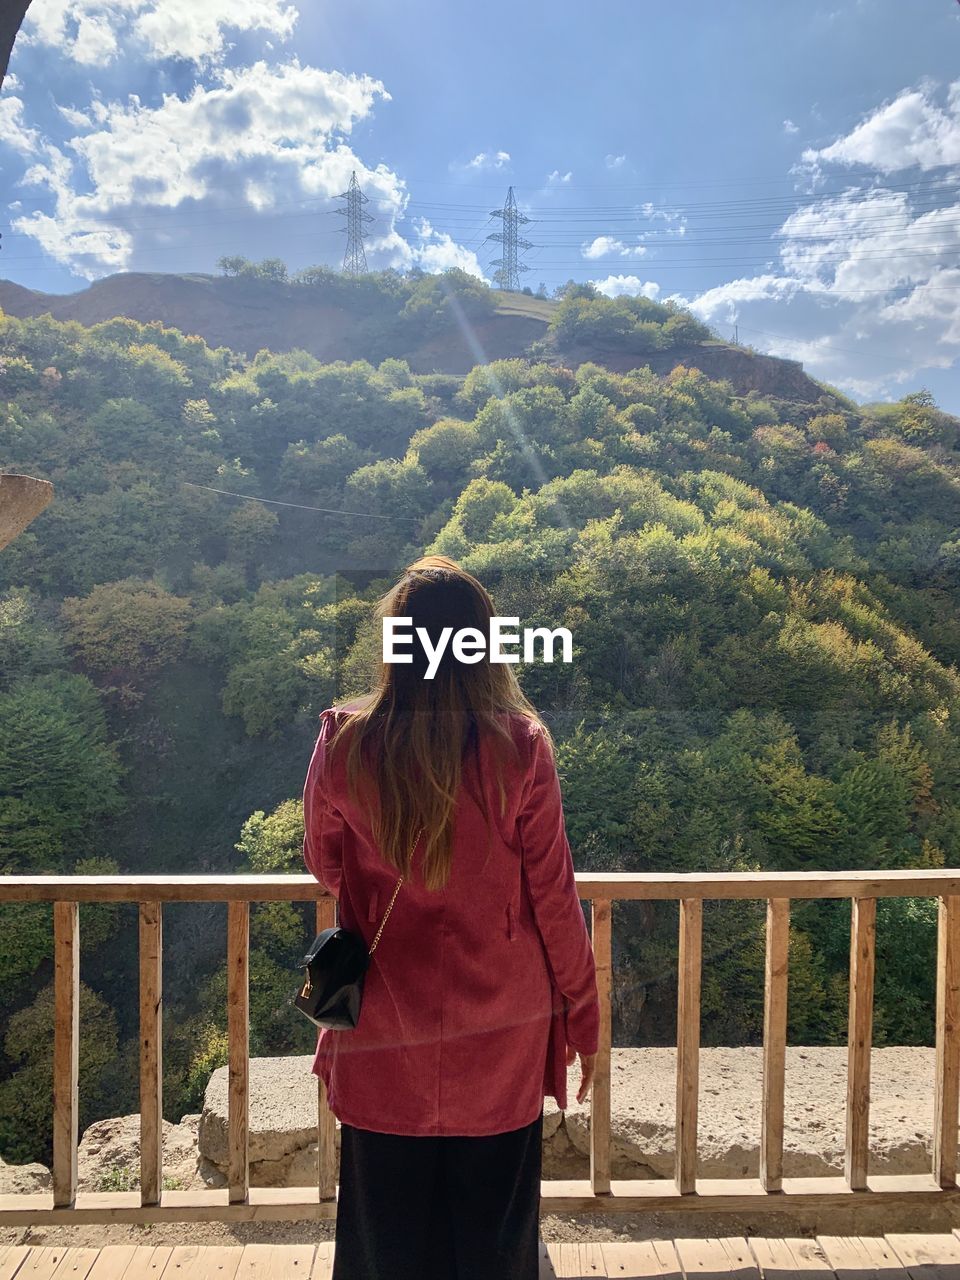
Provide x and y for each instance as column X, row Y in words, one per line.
column 507, row 275
column 354, row 259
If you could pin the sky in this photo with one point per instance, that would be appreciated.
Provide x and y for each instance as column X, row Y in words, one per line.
column 788, row 172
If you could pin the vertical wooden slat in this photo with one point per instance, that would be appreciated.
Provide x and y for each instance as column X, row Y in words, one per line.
column 66, row 1050
column 863, row 930
column 151, row 1053
column 688, row 1041
column 774, row 1042
column 326, row 1120
column 238, row 1027
column 600, row 1094
column 947, row 1096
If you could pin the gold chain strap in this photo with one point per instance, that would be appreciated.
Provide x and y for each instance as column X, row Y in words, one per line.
column 393, row 899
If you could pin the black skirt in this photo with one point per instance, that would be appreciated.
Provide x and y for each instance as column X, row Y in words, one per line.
column 439, row 1208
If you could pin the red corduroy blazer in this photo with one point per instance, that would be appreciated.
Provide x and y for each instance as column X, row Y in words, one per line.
column 473, row 991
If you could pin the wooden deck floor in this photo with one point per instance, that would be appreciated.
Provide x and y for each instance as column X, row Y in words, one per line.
column 890, row 1257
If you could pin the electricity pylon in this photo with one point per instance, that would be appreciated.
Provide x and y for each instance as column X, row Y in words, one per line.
column 509, row 267
column 354, row 259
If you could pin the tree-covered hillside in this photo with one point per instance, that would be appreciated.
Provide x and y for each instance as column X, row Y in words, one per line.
column 762, row 595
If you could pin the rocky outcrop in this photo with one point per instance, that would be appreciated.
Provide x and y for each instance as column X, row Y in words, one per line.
column 283, row 1110
column 23, row 1179
column 283, row 1120
column 108, row 1158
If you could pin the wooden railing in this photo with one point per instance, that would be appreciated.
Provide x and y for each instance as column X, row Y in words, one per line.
column 686, row 1191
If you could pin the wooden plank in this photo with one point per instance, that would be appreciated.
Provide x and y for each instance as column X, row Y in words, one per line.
column 12, row 1257
column 601, row 934
column 859, row 1257
column 724, row 1256
column 151, row 1052
column 947, row 1095
column 238, row 1049
column 688, row 1042
column 114, row 1261
column 642, row 1260
column 201, row 1262
column 150, row 1262
column 926, row 1257
column 863, row 930
column 47, row 1261
column 66, row 1050
column 327, row 1160
column 774, row 1042
column 614, row 885
column 323, row 1261
column 276, row 1262
column 794, row 1258
column 578, row 1260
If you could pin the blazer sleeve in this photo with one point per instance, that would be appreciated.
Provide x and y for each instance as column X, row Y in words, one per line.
column 322, row 820
column 549, row 873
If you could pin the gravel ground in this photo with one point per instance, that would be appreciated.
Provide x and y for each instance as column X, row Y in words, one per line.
column 553, row 1228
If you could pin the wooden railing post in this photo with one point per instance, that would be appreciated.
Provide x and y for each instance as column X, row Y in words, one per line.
column 600, row 1097
column 66, row 1050
column 774, row 1042
column 688, row 1041
column 326, row 1120
column 947, row 1085
column 863, row 930
column 238, row 1039
column 151, row 1052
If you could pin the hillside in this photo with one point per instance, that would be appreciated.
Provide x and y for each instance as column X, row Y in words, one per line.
column 247, row 315
column 762, row 591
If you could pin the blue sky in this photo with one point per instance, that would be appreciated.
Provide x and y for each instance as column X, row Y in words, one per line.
column 788, row 169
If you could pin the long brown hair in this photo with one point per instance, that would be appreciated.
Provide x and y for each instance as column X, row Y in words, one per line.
column 410, row 735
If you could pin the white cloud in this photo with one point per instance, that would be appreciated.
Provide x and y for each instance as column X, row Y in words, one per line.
column 557, row 178
column 790, row 127
column 11, row 83
column 14, row 130
column 866, row 292
column 610, row 246
column 78, row 119
column 91, row 32
column 492, row 160
column 265, row 131
column 675, row 224
column 616, row 162
column 632, row 286
column 486, row 160
column 723, row 302
column 910, row 130
column 434, row 251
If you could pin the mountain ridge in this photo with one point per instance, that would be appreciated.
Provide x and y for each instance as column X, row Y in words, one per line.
column 250, row 315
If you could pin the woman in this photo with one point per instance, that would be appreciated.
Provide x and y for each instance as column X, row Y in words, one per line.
column 482, row 987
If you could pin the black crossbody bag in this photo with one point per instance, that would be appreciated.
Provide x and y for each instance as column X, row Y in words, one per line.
column 335, row 969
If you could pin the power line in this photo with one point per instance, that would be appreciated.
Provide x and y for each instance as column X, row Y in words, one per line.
column 813, row 198
column 330, row 511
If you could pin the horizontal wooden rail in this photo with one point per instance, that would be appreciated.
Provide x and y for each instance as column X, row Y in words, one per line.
column 238, row 1201
column 619, row 885
column 655, row 1195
